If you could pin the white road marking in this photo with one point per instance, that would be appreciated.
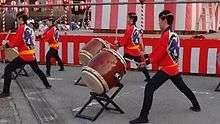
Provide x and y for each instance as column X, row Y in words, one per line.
column 51, row 78
column 78, row 108
column 201, row 92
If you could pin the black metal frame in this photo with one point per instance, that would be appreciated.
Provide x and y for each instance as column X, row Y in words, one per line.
column 217, row 88
column 104, row 100
column 77, row 82
column 18, row 72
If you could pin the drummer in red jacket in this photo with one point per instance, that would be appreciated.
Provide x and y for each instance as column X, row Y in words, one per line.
column 133, row 44
column 166, row 55
column 24, row 41
column 51, row 36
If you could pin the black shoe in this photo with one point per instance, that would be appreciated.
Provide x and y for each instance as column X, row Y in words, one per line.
column 48, row 87
column 139, row 120
column 61, row 69
column 195, row 109
column 146, row 80
column 217, row 90
column 47, row 75
column 3, row 95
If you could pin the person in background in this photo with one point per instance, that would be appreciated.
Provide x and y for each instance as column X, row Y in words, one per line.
column 52, row 37
column 133, row 44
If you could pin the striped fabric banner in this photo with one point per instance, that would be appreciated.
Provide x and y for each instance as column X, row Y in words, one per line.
column 196, row 56
column 188, row 17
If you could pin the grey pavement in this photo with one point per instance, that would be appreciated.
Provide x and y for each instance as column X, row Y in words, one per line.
column 8, row 112
column 170, row 106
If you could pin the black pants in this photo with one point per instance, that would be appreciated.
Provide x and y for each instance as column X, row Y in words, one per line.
column 17, row 63
column 53, row 53
column 138, row 59
column 156, row 81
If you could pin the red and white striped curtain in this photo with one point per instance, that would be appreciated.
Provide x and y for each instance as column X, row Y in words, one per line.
column 25, row 9
column 49, row 1
column 59, row 1
column 14, row 3
column 3, row 2
column 36, row 3
column 188, row 17
column 49, row 9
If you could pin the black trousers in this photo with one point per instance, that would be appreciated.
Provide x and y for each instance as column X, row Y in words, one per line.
column 138, row 59
column 156, row 81
column 17, row 63
column 53, row 53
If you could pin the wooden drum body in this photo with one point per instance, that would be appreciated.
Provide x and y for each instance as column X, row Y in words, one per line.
column 104, row 71
column 91, row 49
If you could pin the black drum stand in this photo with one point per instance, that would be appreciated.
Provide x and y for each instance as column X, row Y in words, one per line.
column 77, row 82
column 104, row 100
column 18, row 72
column 217, row 88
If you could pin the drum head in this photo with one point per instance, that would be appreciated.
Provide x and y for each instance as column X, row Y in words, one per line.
column 94, row 80
column 84, row 57
column 118, row 55
column 11, row 54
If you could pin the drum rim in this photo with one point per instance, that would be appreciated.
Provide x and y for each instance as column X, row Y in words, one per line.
column 99, row 76
column 99, row 84
column 103, row 41
column 119, row 56
column 86, row 53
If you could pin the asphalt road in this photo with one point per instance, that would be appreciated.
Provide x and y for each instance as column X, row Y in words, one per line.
column 170, row 106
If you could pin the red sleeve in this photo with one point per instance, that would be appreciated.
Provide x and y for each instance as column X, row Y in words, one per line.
column 43, row 36
column 161, row 49
column 47, row 35
column 14, row 42
column 127, row 36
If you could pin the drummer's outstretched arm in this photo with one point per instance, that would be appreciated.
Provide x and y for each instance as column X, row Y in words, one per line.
column 122, row 41
column 46, row 35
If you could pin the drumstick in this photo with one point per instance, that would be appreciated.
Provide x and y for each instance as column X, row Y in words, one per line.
column 116, row 35
column 116, row 46
column 132, row 61
column 58, row 19
column 55, row 22
column 9, row 32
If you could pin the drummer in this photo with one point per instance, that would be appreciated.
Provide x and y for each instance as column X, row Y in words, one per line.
column 166, row 55
column 133, row 44
column 52, row 37
column 23, row 40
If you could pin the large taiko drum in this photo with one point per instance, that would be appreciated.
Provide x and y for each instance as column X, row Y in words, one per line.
column 91, row 49
column 104, row 71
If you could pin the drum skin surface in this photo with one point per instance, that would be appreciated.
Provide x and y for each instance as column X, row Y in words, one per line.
column 10, row 54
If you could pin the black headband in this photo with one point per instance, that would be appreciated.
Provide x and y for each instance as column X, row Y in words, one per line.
column 165, row 15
